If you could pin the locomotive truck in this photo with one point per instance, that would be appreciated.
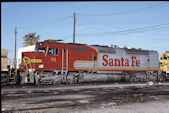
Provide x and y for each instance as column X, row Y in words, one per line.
column 55, row 62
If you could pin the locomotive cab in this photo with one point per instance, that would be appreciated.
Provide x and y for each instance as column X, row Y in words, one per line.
column 44, row 61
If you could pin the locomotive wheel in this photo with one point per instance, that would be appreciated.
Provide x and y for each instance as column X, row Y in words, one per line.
column 4, row 78
column 73, row 78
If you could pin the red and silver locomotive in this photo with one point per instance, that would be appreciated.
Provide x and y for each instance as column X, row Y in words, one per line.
column 54, row 62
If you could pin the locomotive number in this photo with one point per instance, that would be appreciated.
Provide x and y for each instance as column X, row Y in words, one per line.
column 53, row 59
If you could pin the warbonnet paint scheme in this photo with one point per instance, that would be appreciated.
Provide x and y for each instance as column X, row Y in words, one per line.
column 53, row 62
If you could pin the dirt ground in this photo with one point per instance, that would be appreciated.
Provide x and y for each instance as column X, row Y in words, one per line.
column 147, row 107
column 90, row 98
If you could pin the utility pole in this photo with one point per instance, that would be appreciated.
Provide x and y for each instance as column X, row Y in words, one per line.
column 15, row 47
column 74, row 27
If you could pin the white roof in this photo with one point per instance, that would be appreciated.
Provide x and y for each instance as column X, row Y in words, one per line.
column 24, row 49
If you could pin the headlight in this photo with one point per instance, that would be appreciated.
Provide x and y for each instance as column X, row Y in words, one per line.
column 41, row 66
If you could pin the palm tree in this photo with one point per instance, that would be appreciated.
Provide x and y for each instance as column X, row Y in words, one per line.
column 30, row 39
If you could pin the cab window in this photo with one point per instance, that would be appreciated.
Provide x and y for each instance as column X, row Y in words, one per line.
column 41, row 49
column 56, row 51
column 53, row 51
column 49, row 51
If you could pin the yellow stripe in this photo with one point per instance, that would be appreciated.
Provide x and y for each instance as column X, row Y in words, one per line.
column 35, row 60
column 116, row 69
column 12, row 82
column 11, row 77
column 28, row 60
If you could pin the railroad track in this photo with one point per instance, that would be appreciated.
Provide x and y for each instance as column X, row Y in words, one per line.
column 86, row 96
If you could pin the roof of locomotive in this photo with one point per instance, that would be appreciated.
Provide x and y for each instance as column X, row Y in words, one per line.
column 60, row 44
column 102, row 47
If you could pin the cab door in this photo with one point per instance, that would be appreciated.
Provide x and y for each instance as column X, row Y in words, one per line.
column 64, row 60
column 52, row 62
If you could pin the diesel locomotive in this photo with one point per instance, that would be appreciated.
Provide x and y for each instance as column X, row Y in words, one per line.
column 164, row 64
column 54, row 62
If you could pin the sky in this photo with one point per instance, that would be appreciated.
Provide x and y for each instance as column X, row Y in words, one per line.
column 136, row 24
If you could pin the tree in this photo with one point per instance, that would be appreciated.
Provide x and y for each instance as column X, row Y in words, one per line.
column 30, row 39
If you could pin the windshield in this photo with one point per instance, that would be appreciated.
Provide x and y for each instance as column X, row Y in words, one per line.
column 41, row 49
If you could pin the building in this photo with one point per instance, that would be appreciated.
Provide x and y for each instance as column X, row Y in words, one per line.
column 24, row 49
